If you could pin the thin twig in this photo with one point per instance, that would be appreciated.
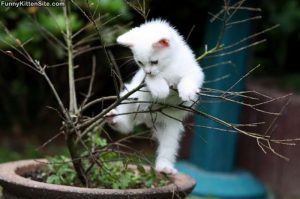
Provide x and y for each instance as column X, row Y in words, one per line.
column 89, row 93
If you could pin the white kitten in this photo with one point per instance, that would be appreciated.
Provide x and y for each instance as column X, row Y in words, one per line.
column 165, row 61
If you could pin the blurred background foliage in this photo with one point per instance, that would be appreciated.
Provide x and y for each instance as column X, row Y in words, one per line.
column 24, row 96
column 23, row 22
column 23, row 93
column 279, row 57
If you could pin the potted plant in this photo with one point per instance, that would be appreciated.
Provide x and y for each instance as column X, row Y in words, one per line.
column 97, row 168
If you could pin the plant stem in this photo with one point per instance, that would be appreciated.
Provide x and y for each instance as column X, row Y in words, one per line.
column 73, row 108
column 76, row 160
column 58, row 99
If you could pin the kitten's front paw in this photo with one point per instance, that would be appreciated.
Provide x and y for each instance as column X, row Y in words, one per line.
column 165, row 167
column 160, row 93
column 110, row 117
column 158, row 87
column 188, row 94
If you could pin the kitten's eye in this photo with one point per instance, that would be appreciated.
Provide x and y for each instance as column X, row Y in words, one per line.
column 140, row 63
column 154, row 62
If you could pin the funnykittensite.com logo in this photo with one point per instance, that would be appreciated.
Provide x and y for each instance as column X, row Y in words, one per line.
column 31, row 3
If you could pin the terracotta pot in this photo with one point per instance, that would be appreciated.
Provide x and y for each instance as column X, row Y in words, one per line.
column 17, row 187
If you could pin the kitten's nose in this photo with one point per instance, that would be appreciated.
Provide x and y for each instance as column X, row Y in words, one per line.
column 148, row 71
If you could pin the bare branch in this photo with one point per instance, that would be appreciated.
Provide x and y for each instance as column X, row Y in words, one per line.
column 89, row 93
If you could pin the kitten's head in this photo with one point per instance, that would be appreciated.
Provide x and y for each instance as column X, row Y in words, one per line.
column 151, row 44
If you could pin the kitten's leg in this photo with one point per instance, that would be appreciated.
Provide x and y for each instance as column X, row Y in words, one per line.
column 188, row 89
column 158, row 87
column 121, row 123
column 125, row 123
column 190, row 85
column 168, row 139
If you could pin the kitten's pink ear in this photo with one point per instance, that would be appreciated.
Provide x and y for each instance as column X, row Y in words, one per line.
column 125, row 40
column 162, row 43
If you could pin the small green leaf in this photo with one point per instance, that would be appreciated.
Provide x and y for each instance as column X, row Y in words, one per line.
column 141, row 169
column 53, row 179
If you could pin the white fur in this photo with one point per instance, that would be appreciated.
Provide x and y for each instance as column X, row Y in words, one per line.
column 176, row 68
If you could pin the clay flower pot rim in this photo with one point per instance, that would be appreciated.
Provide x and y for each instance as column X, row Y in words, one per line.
column 10, row 177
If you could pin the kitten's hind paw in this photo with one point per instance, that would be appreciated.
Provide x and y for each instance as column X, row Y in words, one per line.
column 110, row 117
column 167, row 170
column 165, row 167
